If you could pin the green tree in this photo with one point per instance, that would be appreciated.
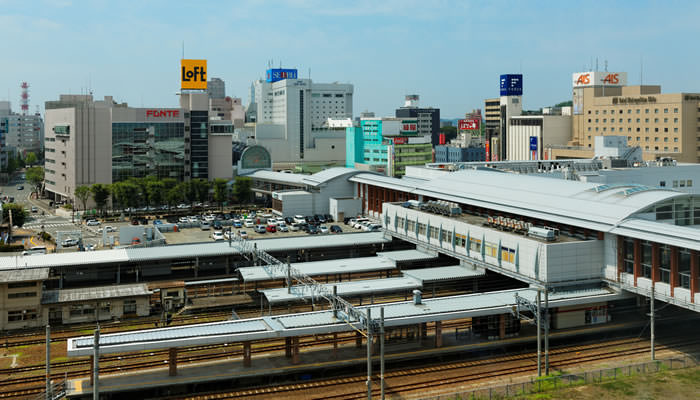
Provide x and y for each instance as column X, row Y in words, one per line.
column 156, row 192
column 126, row 194
column 13, row 163
column 199, row 190
column 35, row 176
column 82, row 193
column 31, row 158
column 221, row 191
column 18, row 214
column 450, row 132
column 100, row 194
column 242, row 189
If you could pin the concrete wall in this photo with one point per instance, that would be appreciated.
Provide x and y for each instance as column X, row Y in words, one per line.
column 19, row 304
column 344, row 207
column 220, row 161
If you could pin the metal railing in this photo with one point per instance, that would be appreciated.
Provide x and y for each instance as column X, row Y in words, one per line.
column 57, row 391
column 545, row 384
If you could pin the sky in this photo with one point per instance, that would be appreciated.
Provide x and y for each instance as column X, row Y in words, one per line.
column 451, row 53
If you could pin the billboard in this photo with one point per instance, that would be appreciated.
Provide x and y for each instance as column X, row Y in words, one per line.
column 533, row 148
column 512, row 85
column 470, row 124
column 598, row 78
column 400, row 140
column 279, row 74
column 486, row 147
column 193, row 74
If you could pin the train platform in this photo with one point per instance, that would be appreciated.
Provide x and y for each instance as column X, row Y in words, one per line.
column 404, row 345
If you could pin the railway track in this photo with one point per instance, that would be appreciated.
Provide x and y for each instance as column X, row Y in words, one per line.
column 399, row 382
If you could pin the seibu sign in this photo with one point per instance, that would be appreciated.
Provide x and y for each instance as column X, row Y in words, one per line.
column 597, row 78
column 155, row 113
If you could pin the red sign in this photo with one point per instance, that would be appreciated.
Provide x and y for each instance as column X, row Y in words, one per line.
column 409, row 127
column 471, row 124
column 612, row 79
column 583, row 79
column 400, row 140
column 486, row 145
column 162, row 113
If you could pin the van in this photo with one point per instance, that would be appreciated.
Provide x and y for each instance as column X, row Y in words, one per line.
column 34, row 250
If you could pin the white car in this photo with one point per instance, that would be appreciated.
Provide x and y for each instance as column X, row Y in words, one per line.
column 184, row 220
column 69, row 242
column 282, row 227
column 182, row 206
column 92, row 222
column 295, row 227
column 323, row 230
column 243, row 234
column 209, row 218
column 217, row 236
column 299, row 219
column 249, row 223
column 108, row 229
column 192, row 218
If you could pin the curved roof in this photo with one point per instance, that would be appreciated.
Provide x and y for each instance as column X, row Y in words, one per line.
column 314, row 180
column 569, row 202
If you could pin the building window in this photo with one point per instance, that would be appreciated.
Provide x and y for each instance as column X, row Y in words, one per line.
column 628, row 255
column 675, row 110
column 662, row 184
column 675, row 149
column 675, row 130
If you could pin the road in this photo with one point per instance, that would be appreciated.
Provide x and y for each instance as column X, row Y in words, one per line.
column 50, row 222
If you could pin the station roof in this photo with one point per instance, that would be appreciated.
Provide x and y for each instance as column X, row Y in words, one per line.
column 569, row 202
column 94, row 293
column 352, row 288
column 409, row 255
column 674, row 235
column 24, row 275
column 434, row 274
column 318, row 179
column 189, row 250
column 322, row 322
column 325, row 267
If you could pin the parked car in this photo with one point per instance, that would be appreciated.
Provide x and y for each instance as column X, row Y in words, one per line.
column 237, row 223
column 69, row 242
column 184, row 220
column 323, row 229
column 217, row 224
column 182, row 206
column 217, row 236
column 20, row 187
column 336, row 229
column 294, row 227
column 204, row 225
column 328, row 217
column 192, row 218
column 320, row 218
column 243, row 234
column 92, row 222
column 271, row 228
column 249, row 223
column 299, row 219
column 312, row 230
column 260, row 229
column 157, row 222
column 283, row 227
column 288, row 220
column 107, row 229
column 35, row 209
column 372, row 228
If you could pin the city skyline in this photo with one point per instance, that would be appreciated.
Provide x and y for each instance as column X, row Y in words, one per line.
column 450, row 53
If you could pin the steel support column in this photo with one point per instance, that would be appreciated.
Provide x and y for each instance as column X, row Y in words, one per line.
column 172, row 361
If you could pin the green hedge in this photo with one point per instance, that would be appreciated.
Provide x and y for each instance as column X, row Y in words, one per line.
column 4, row 248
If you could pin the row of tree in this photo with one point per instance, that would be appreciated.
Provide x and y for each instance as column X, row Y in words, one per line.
column 16, row 161
column 153, row 192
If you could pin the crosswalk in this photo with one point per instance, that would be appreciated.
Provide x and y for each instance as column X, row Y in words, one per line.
column 38, row 225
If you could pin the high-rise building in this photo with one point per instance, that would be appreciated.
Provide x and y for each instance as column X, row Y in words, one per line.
column 216, row 88
column 492, row 127
column 511, row 103
column 387, row 145
column 291, row 117
column 23, row 133
column 428, row 118
column 102, row 141
column 661, row 124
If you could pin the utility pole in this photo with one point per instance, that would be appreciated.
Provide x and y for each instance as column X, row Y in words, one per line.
column 369, row 355
column 535, row 309
column 48, row 363
column 96, row 365
column 381, row 350
column 539, row 336
column 651, row 315
column 546, row 331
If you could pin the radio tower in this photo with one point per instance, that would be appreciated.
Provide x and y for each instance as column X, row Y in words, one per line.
column 25, row 98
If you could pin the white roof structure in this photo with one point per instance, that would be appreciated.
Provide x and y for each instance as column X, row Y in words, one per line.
column 352, row 288
column 322, row 322
column 314, row 180
column 206, row 249
column 569, row 202
column 409, row 255
column 425, row 275
column 324, row 267
column 24, row 275
column 94, row 293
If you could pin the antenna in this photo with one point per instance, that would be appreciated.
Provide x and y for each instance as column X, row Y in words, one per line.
column 641, row 70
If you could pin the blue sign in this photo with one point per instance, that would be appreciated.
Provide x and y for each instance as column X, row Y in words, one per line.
column 279, row 74
column 512, row 85
column 533, row 143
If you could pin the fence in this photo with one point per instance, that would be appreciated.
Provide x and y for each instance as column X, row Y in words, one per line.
column 563, row 381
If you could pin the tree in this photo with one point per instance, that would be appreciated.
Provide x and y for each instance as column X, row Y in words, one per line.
column 18, row 215
column 221, row 191
column 567, row 103
column 126, row 194
column 35, row 176
column 156, row 192
column 30, row 159
column 450, row 132
column 100, row 194
column 241, row 189
column 82, row 193
column 199, row 190
column 13, row 163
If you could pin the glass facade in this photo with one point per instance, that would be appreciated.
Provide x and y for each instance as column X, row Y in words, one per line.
column 199, row 143
column 148, row 149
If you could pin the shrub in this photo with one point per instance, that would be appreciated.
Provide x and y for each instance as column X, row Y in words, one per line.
column 5, row 248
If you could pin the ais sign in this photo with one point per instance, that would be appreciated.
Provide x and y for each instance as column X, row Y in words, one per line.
column 593, row 78
column 512, row 85
column 471, row 124
column 278, row 74
column 193, row 74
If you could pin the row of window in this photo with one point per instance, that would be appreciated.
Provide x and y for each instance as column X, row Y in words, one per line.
column 629, row 129
column 638, row 120
column 680, row 183
column 637, row 111
column 20, row 295
column 22, row 315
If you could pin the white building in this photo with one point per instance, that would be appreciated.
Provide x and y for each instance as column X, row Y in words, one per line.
column 291, row 120
column 23, row 133
column 529, row 134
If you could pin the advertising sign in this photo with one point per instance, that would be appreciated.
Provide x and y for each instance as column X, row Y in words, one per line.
column 193, row 74
column 512, row 85
column 409, row 128
column 279, row 74
column 162, row 113
column 469, row 124
column 533, row 143
column 488, row 153
column 400, row 140
column 598, row 78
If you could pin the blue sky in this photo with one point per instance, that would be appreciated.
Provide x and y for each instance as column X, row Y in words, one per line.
column 449, row 52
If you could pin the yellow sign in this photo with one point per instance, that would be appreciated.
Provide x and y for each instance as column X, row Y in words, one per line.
column 193, row 74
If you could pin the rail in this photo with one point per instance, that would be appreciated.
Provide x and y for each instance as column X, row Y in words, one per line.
column 549, row 383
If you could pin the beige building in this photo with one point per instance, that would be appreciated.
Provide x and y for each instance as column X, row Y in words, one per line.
column 20, row 298
column 663, row 125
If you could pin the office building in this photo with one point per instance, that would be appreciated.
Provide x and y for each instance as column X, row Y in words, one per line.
column 216, row 88
column 511, row 104
column 451, row 154
column 530, row 134
column 100, row 141
column 22, row 133
column 291, row 117
column 428, row 118
column 387, row 145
